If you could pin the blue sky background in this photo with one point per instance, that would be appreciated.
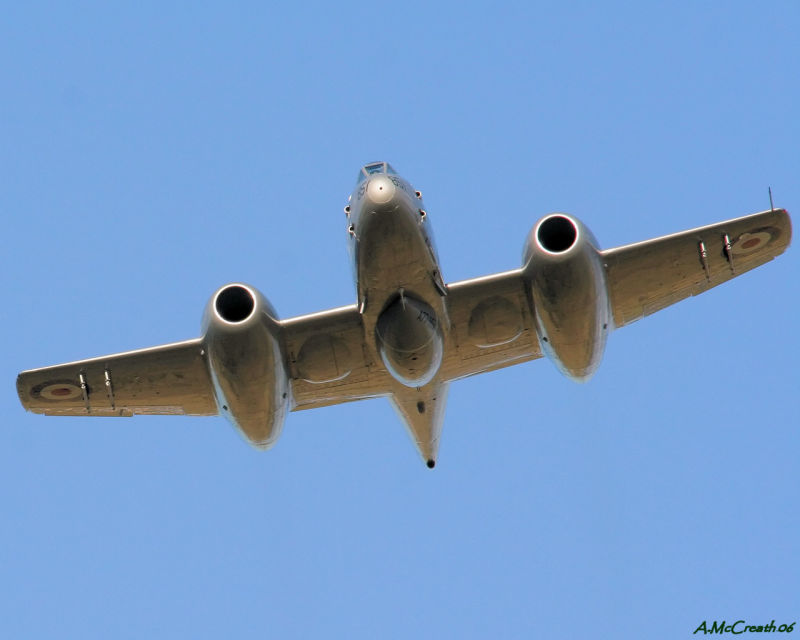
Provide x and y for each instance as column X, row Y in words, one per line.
column 152, row 154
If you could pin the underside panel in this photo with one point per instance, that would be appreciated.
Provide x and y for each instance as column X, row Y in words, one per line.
column 328, row 362
column 491, row 325
column 491, row 328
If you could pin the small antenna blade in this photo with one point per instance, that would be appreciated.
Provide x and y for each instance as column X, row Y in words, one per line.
column 771, row 206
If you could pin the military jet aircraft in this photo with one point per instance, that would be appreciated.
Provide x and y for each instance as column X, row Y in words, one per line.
column 409, row 334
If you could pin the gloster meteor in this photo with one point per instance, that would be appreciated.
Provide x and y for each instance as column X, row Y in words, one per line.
column 409, row 334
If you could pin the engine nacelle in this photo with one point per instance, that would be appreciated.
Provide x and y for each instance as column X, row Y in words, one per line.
column 410, row 341
column 570, row 298
column 242, row 338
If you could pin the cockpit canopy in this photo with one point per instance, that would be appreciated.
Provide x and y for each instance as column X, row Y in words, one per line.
column 373, row 168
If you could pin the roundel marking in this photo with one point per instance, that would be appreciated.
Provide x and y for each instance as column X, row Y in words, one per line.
column 752, row 242
column 60, row 391
column 749, row 242
column 57, row 391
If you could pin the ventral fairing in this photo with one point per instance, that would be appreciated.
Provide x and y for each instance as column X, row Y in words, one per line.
column 408, row 335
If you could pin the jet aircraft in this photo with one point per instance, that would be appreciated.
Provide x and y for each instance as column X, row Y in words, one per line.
column 409, row 334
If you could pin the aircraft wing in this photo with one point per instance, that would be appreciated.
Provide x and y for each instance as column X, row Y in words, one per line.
column 492, row 325
column 645, row 277
column 172, row 379
column 491, row 322
column 327, row 360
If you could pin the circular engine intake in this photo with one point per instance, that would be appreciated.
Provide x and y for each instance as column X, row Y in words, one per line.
column 556, row 234
column 235, row 303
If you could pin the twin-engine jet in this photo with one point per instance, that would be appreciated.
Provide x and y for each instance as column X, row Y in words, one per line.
column 409, row 334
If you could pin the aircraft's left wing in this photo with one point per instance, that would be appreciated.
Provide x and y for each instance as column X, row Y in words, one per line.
column 172, row 379
column 645, row 277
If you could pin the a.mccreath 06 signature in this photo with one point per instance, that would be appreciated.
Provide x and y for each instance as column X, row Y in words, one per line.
column 740, row 626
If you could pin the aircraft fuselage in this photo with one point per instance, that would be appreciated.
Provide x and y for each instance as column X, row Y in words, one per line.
column 398, row 281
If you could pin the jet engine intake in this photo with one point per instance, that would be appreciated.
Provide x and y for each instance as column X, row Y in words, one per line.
column 566, row 276
column 242, row 340
column 409, row 340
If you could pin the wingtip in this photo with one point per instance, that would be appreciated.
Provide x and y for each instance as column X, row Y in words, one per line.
column 431, row 463
column 788, row 224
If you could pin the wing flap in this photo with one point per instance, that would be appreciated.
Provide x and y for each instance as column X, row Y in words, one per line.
column 171, row 379
column 648, row 276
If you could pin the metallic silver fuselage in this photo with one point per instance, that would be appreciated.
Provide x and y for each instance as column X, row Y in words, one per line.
column 390, row 239
column 398, row 281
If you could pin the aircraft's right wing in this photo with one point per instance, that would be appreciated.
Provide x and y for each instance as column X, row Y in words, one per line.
column 647, row 276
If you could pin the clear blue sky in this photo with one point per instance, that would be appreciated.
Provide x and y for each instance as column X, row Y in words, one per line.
column 152, row 154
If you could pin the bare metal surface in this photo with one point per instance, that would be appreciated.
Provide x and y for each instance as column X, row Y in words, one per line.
column 247, row 364
column 647, row 276
column 570, row 296
column 422, row 412
column 169, row 379
column 253, row 368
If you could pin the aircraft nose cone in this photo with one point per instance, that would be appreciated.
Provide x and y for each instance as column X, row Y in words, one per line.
column 380, row 190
